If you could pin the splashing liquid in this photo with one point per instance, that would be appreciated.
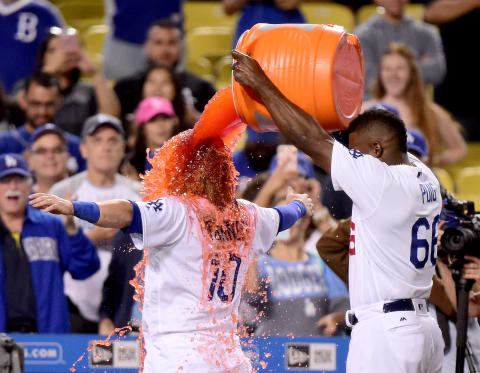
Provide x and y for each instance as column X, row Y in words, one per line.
column 138, row 283
column 196, row 168
column 106, row 342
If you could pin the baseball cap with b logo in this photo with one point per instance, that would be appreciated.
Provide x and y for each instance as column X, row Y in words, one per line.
column 13, row 164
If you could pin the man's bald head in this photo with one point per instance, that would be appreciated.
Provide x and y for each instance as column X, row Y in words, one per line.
column 380, row 134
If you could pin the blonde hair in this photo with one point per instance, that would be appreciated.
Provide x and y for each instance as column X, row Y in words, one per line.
column 415, row 95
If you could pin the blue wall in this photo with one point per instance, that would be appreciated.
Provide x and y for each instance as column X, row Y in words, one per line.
column 57, row 353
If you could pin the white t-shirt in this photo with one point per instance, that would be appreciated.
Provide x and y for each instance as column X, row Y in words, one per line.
column 87, row 294
column 393, row 241
column 180, row 330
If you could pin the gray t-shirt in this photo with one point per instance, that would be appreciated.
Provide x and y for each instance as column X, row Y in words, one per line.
column 87, row 294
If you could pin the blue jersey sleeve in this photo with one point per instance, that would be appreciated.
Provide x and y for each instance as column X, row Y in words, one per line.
column 290, row 213
column 136, row 224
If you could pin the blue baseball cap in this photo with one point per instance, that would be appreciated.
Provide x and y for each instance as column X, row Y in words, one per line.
column 46, row 129
column 416, row 142
column 387, row 107
column 304, row 166
column 13, row 164
column 267, row 138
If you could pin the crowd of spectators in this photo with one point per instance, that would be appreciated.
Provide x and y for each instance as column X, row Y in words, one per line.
column 88, row 138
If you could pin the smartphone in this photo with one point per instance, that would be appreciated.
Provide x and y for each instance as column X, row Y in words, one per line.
column 69, row 42
column 287, row 155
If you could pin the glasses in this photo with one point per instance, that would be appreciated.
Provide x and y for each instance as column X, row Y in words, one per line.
column 44, row 151
column 57, row 31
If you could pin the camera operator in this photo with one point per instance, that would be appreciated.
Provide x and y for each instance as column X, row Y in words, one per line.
column 471, row 271
column 459, row 269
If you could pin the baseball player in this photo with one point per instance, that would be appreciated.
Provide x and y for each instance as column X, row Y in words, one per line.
column 393, row 235
column 189, row 313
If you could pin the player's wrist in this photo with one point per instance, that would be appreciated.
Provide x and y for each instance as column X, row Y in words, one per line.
column 88, row 211
column 301, row 205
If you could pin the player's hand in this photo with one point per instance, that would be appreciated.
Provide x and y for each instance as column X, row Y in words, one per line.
column 331, row 322
column 248, row 72
column 68, row 221
column 304, row 198
column 471, row 271
column 51, row 203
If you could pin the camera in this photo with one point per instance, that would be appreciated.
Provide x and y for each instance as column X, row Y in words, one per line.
column 462, row 235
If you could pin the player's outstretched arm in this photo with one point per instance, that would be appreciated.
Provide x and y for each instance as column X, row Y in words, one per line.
column 299, row 127
column 298, row 206
column 109, row 214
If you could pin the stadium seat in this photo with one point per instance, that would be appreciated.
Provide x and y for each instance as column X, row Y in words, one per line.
column 208, row 43
column 82, row 14
column 366, row 11
column 468, row 181
column 93, row 39
column 329, row 13
column 206, row 14
column 468, row 185
column 223, row 72
column 445, row 179
column 203, row 68
column 471, row 160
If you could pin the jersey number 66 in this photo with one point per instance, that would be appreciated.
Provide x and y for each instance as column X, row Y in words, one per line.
column 430, row 248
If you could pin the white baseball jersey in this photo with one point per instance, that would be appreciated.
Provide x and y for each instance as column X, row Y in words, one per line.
column 393, row 242
column 181, row 333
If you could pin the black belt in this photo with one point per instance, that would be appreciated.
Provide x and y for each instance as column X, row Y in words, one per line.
column 395, row 306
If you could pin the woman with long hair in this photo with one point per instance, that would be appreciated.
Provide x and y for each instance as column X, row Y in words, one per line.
column 399, row 83
column 161, row 81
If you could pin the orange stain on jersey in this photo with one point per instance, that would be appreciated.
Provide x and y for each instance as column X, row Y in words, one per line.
column 196, row 167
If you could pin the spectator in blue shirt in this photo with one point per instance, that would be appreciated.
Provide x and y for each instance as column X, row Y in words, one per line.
column 262, row 11
column 41, row 102
column 23, row 26
column 35, row 251
column 292, row 290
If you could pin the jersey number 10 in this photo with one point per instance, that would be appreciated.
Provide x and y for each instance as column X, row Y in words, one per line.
column 430, row 249
column 223, row 279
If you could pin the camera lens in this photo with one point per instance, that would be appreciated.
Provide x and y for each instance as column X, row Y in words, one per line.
column 453, row 240
column 458, row 241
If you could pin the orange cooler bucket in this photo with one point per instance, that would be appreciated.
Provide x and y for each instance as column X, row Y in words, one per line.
column 318, row 67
